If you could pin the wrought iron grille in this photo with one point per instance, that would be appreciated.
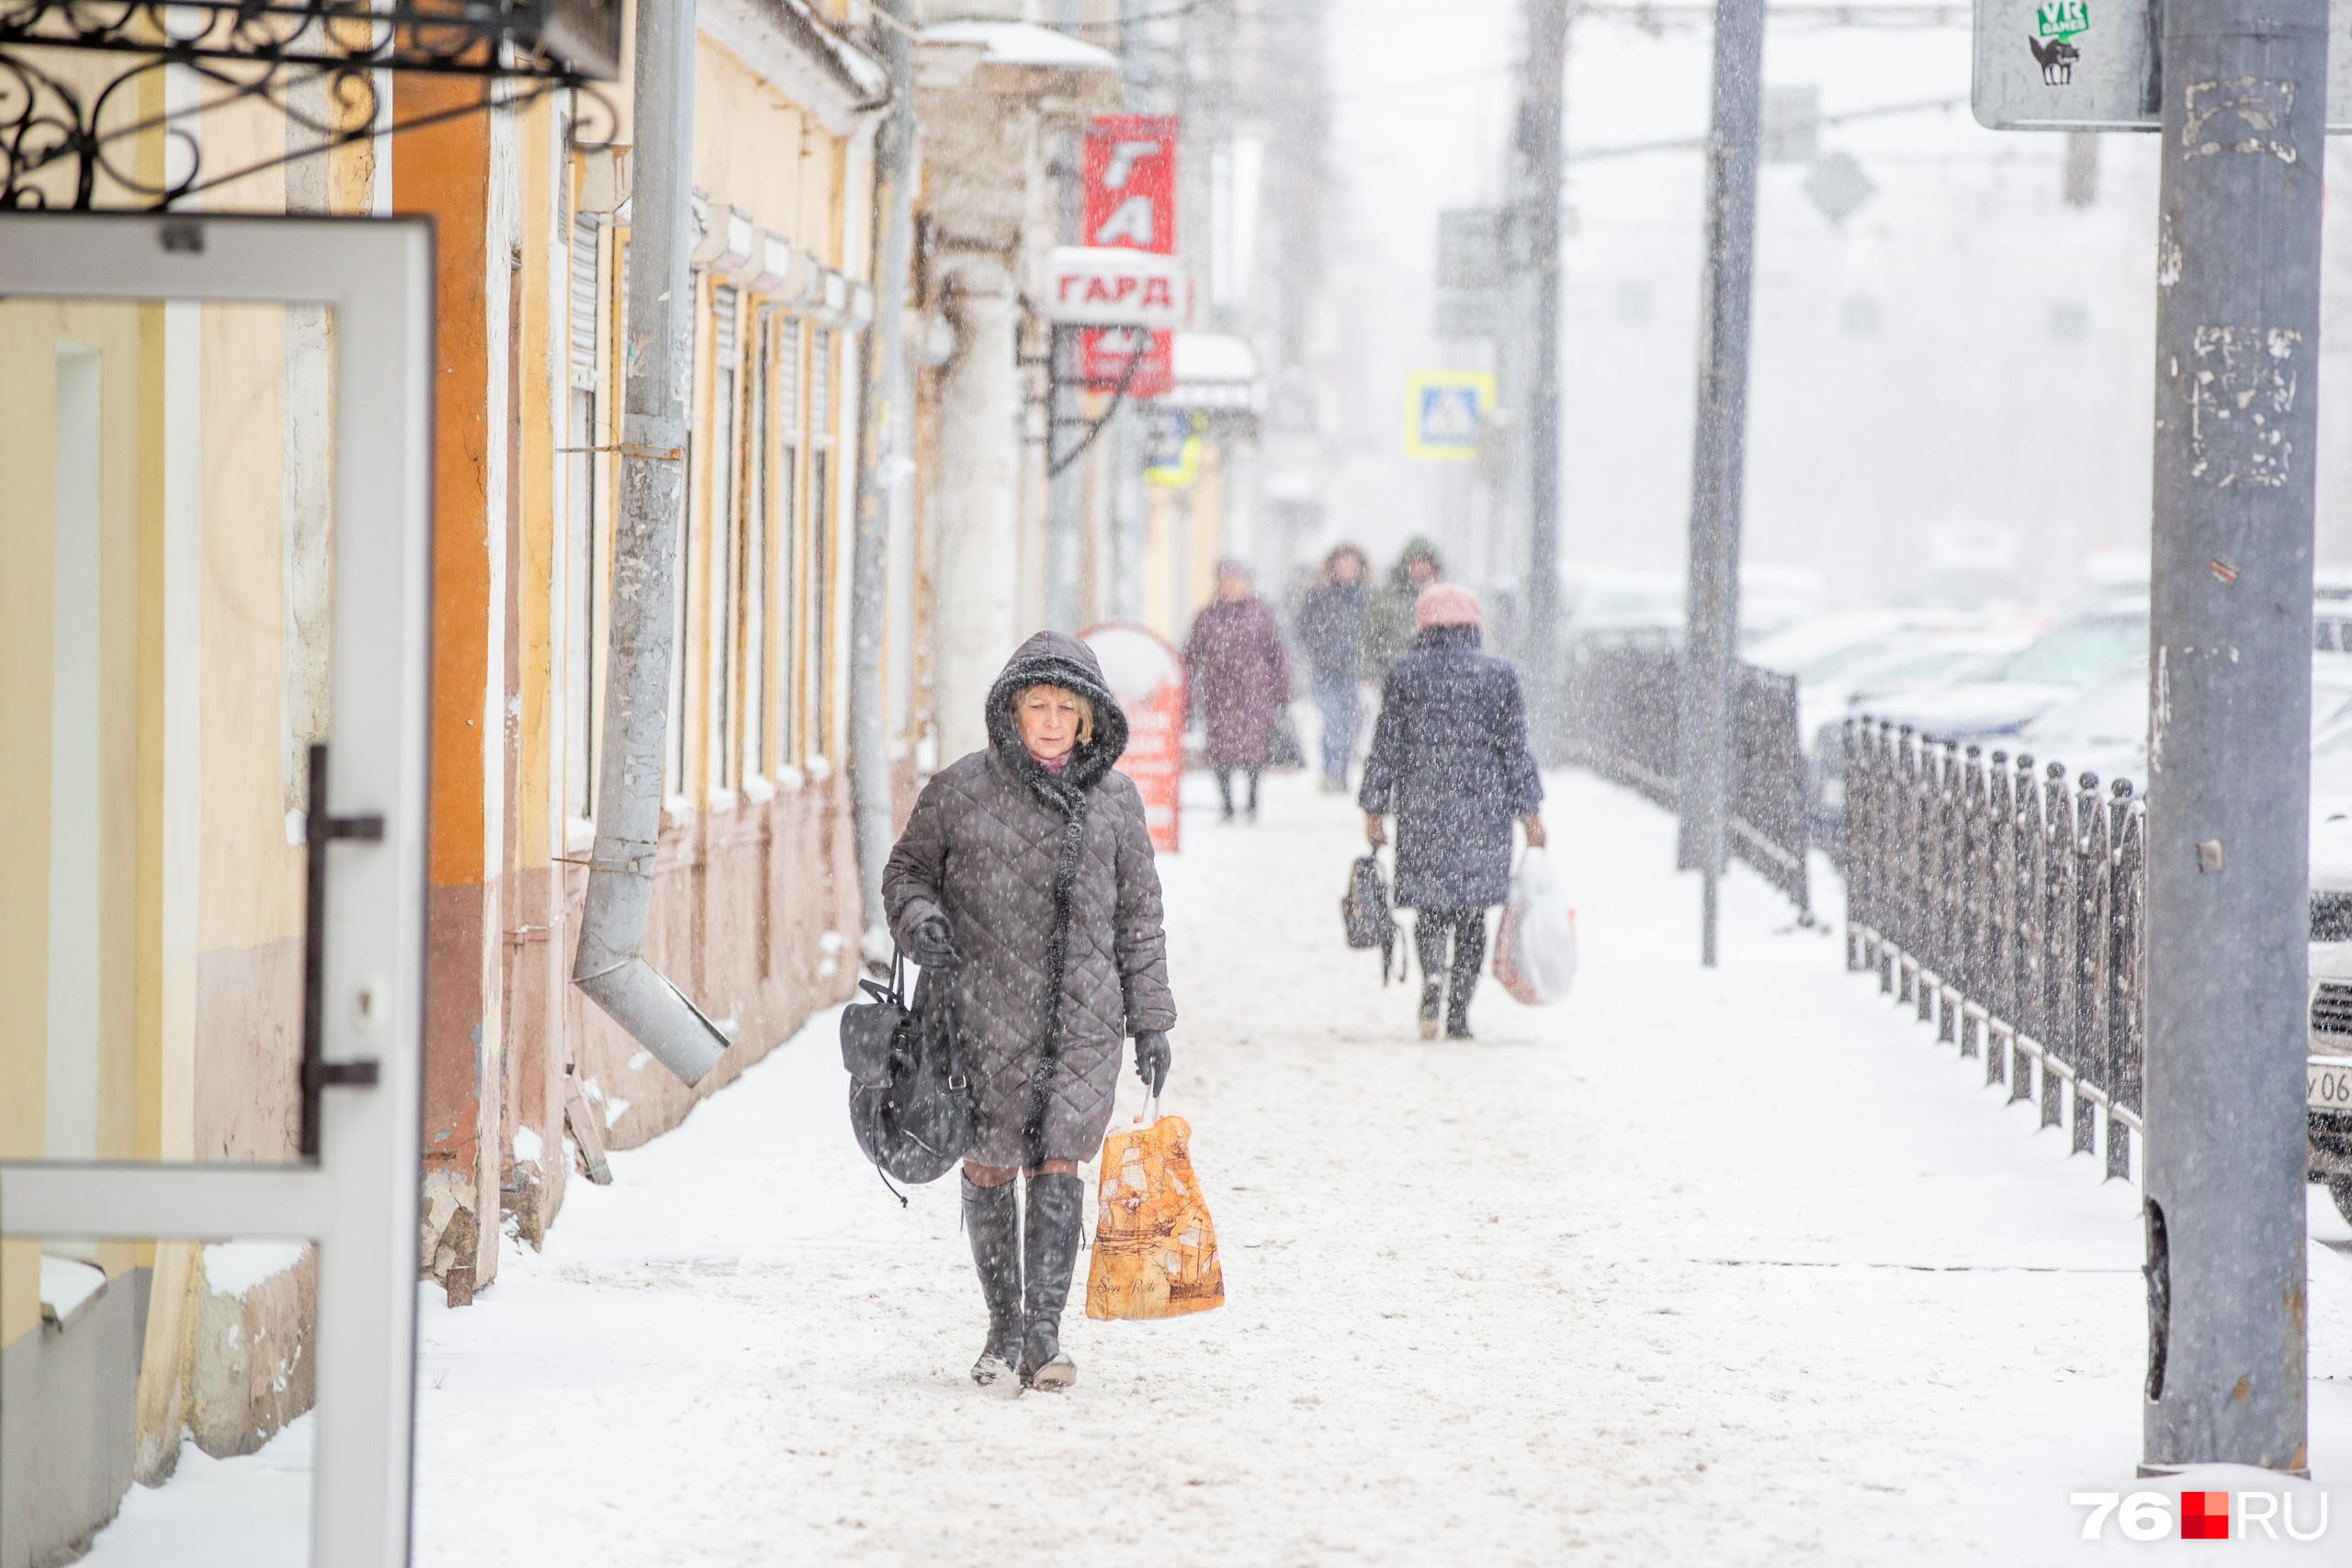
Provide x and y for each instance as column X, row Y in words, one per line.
column 2004, row 903
column 1622, row 720
column 60, row 110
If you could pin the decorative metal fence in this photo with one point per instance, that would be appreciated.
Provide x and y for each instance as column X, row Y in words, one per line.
column 2006, row 903
column 1623, row 722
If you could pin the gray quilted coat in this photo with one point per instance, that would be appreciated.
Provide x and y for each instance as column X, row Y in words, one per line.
column 1048, row 884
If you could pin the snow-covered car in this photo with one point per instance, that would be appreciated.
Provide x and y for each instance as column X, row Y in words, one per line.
column 1995, row 698
column 1819, row 647
column 2003, row 696
column 1617, row 607
column 1613, row 607
column 1902, row 664
column 2329, row 1069
column 2103, row 728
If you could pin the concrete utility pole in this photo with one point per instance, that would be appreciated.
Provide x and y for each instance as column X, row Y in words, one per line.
column 660, row 336
column 2237, row 360
column 1540, row 107
column 1710, row 619
column 881, row 439
column 1064, row 487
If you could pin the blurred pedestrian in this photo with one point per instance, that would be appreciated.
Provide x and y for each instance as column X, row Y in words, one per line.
column 1239, row 679
column 1025, row 886
column 1331, row 629
column 1388, row 627
column 1450, row 761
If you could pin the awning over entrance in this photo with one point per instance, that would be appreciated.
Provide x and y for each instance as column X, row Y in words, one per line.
column 1218, row 371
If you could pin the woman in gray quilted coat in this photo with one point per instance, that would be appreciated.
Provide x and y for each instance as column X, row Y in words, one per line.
column 1025, row 886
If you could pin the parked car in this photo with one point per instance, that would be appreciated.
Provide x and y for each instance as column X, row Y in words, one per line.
column 2328, row 1068
column 2103, row 728
column 1995, row 698
column 2000, row 698
column 1820, row 646
column 1906, row 662
column 1618, row 607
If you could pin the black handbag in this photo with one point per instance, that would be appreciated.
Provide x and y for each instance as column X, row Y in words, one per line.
column 1365, row 911
column 910, row 1100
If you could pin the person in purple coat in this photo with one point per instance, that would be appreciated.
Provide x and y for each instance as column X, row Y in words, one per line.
column 1238, row 679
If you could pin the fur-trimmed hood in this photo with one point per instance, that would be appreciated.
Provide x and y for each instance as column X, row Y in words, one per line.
column 1056, row 659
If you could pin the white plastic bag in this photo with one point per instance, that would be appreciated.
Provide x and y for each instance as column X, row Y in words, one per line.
column 1536, row 951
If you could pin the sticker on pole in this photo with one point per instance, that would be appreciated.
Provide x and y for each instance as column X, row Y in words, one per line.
column 2092, row 65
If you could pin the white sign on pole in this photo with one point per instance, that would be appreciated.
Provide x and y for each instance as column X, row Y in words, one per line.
column 1094, row 285
column 2091, row 65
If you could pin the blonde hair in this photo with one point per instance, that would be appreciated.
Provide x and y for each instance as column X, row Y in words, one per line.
column 1085, row 708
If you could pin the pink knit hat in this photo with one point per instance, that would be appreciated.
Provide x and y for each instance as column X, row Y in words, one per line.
column 1447, row 605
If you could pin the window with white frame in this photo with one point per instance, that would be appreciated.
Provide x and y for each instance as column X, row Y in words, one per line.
column 789, row 365
column 821, row 564
column 752, row 619
column 723, row 687
column 582, row 537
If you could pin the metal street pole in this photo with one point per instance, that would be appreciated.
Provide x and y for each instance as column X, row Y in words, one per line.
column 2237, row 360
column 1540, row 111
column 1712, row 616
column 1065, row 487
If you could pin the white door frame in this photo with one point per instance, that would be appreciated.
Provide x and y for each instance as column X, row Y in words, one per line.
column 358, row 1201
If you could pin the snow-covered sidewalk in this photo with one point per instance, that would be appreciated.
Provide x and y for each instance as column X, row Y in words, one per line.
column 1724, row 1267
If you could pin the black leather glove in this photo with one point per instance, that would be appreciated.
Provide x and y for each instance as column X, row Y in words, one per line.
column 933, row 947
column 1152, row 1056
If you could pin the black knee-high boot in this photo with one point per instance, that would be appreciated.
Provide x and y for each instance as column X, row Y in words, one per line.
column 1049, row 1253
column 992, row 1218
column 1469, row 953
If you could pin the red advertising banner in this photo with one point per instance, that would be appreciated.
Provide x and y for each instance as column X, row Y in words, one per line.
column 1104, row 353
column 1129, row 175
column 1147, row 677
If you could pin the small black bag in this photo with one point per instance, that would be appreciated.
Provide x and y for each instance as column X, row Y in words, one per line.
column 909, row 1101
column 1365, row 911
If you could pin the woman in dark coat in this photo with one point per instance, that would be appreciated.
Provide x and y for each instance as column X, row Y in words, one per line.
column 1024, row 887
column 1330, row 624
column 1239, row 677
column 1450, row 761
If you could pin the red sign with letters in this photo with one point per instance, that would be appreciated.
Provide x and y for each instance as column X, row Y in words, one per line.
column 1129, row 173
column 1104, row 353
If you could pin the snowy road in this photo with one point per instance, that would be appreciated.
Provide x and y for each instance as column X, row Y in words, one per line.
column 1732, row 1267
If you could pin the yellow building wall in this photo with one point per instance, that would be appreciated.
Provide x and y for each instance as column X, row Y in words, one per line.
column 539, row 821
column 748, row 141
column 1184, row 537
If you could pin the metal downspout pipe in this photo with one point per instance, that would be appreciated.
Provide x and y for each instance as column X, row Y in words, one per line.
column 610, row 966
column 880, row 433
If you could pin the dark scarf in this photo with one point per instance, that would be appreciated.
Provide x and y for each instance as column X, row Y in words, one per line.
column 1447, row 637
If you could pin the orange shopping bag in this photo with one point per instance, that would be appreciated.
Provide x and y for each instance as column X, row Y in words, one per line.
column 1155, row 1250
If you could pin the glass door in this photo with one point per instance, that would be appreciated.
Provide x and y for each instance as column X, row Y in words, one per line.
column 216, row 437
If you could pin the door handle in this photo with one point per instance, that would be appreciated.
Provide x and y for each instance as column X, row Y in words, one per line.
column 320, row 828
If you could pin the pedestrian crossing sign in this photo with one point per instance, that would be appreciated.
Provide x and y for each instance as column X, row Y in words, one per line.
column 1445, row 410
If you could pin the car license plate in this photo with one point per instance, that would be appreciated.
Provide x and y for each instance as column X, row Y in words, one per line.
column 2329, row 1082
